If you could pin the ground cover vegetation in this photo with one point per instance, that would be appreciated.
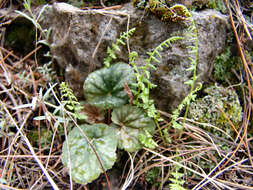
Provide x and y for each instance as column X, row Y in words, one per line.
column 52, row 140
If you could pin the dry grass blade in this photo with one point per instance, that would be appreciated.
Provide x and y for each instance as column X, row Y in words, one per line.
column 30, row 146
column 248, row 75
column 189, row 169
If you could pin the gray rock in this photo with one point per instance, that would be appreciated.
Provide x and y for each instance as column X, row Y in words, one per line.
column 75, row 34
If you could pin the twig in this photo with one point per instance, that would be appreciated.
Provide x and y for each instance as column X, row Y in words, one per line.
column 28, row 55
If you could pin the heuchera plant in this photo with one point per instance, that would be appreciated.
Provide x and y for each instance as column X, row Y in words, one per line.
column 104, row 88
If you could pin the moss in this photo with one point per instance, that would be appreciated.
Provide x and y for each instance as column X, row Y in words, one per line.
column 45, row 136
column 88, row 3
column 40, row 2
column 223, row 65
column 217, row 5
column 206, row 109
column 76, row 3
column 190, row 4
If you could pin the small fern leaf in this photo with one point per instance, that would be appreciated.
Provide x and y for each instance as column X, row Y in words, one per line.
column 115, row 47
column 111, row 53
column 189, row 82
column 155, row 59
column 107, row 61
column 157, row 53
column 152, row 66
column 119, row 41
column 176, row 125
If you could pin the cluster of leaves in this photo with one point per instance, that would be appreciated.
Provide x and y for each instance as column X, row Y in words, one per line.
column 104, row 89
column 47, row 72
column 71, row 102
column 68, row 97
column 153, row 176
column 132, row 127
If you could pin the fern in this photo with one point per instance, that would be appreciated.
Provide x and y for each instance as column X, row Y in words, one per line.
column 176, row 180
column 68, row 96
column 142, row 73
column 185, row 102
column 111, row 51
column 192, row 36
column 71, row 102
column 143, row 84
column 147, row 141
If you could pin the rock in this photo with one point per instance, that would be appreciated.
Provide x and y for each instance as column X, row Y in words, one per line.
column 75, row 34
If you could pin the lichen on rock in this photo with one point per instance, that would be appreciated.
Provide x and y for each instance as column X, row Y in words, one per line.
column 208, row 108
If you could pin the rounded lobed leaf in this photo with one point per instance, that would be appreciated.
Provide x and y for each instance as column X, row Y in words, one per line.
column 128, row 138
column 105, row 87
column 84, row 163
column 131, row 122
column 133, row 117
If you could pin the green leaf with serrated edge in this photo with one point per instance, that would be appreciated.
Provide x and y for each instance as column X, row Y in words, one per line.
column 147, row 141
column 111, row 53
column 104, row 88
column 189, row 82
column 115, row 47
column 85, row 166
column 155, row 59
column 119, row 41
column 177, row 125
column 131, row 121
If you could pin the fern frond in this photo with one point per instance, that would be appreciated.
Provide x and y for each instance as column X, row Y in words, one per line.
column 68, row 96
column 111, row 51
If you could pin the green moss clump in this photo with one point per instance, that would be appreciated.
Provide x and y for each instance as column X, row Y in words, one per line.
column 217, row 5
column 46, row 136
column 206, row 109
column 223, row 64
column 76, row 3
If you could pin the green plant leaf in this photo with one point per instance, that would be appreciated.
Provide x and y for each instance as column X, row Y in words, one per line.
column 85, row 166
column 147, row 141
column 104, row 88
column 131, row 122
